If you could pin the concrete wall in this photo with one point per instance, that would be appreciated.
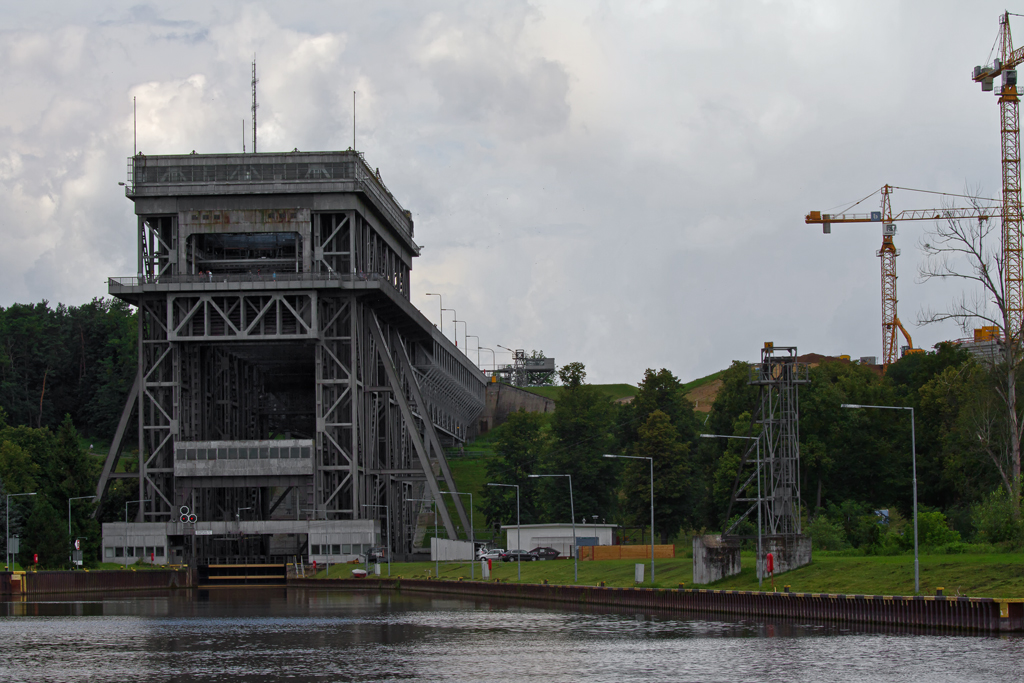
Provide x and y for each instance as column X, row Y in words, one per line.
column 502, row 399
column 450, row 550
column 714, row 559
column 788, row 552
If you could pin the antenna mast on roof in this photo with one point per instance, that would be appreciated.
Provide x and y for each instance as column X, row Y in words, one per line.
column 243, row 136
column 254, row 104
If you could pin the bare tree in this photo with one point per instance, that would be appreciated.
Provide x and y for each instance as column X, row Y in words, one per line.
column 970, row 251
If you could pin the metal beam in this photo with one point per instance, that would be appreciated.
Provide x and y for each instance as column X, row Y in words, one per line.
column 414, row 435
column 421, row 405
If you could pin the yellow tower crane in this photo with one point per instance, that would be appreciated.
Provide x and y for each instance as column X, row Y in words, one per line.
column 888, row 252
column 1004, row 67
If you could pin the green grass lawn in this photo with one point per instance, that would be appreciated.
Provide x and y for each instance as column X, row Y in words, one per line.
column 997, row 575
column 669, row 573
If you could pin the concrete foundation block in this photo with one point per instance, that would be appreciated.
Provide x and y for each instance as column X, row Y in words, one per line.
column 788, row 552
column 714, row 559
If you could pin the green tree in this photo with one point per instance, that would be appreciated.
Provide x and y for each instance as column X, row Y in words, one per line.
column 45, row 535
column 16, row 468
column 518, row 454
column 659, row 440
column 582, row 428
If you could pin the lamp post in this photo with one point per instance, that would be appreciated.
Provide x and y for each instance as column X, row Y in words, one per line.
column 69, row 511
column 472, row 541
column 465, row 334
column 913, row 465
column 141, row 502
column 387, row 511
column 757, row 443
column 7, row 523
column 651, row 462
column 572, row 511
column 238, row 514
column 440, row 305
column 477, row 347
column 437, row 562
column 493, row 363
column 519, row 559
column 454, row 316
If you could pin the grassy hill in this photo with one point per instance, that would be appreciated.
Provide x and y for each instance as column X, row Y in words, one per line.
column 612, row 391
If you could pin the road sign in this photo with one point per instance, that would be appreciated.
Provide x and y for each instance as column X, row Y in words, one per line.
column 78, row 544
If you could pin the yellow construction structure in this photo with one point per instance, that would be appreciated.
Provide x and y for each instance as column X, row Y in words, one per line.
column 888, row 253
column 1004, row 67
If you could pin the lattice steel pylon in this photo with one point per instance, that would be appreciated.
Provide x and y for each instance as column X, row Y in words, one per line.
column 1005, row 67
column 776, row 473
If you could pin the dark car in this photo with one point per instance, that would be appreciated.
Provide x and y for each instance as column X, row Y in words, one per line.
column 517, row 556
column 545, row 553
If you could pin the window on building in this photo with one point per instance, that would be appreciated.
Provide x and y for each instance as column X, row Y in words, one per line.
column 336, row 549
column 346, row 549
column 314, row 550
column 159, row 551
column 108, row 551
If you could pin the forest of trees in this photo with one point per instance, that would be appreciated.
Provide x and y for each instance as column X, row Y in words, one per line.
column 853, row 462
column 65, row 373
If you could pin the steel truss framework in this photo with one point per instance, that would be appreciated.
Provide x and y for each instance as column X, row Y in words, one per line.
column 773, row 480
column 372, row 441
column 336, row 360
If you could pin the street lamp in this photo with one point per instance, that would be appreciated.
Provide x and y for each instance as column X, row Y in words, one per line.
column 651, row 462
column 913, row 465
column 465, row 334
column 477, row 347
column 69, row 511
column 519, row 559
column 572, row 511
column 238, row 514
column 757, row 443
column 7, row 523
column 472, row 541
column 437, row 563
column 440, row 304
column 387, row 511
column 493, row 362
column 454, row 316
column 141, row 502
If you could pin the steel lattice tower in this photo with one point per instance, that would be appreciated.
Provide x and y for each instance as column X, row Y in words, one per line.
column 283, row 371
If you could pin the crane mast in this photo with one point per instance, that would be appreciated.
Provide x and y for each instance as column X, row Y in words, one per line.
column 888, row 253
column 1005, row 68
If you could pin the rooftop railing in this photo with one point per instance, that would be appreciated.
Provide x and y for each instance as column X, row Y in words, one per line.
column 298, row 168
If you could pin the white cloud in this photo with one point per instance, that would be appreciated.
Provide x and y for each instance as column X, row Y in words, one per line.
column 618, row 183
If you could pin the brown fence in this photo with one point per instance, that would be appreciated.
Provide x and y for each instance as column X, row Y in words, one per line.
column 86, row 581
column 955, row 613
column 626, row 552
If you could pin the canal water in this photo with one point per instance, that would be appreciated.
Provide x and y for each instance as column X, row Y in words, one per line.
column 300, row 635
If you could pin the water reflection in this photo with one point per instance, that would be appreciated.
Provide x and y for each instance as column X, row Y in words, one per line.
column 278, row 634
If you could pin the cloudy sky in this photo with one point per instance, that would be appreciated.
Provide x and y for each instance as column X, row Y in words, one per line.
column 619, row 183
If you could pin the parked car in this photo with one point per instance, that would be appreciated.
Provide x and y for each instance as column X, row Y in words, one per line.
column 492, row 554
column 517, row 556
column 545, row 553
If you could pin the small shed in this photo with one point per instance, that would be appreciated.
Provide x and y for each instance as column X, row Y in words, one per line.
column 557, row 536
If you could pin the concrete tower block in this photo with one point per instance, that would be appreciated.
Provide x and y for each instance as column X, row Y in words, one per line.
column 714, row 559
